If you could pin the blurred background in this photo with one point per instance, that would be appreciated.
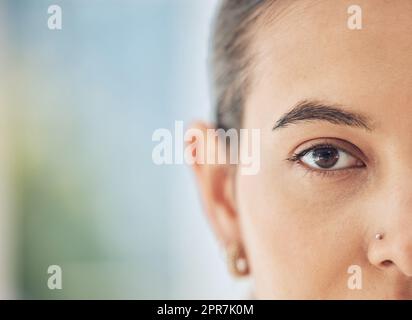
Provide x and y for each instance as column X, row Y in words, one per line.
column 78, row 187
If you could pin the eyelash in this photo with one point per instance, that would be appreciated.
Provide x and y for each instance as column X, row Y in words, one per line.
column 296, row 158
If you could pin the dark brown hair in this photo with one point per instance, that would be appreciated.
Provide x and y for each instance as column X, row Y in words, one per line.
column 231, row 58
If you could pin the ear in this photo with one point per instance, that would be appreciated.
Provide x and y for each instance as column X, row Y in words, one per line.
column 216, row 182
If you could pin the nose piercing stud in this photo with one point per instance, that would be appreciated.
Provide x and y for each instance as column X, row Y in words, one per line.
column 379, row 236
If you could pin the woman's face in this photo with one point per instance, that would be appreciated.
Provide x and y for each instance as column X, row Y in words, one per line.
column 339, row 169
column 306, row 222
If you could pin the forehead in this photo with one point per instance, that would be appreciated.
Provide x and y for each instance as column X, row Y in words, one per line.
column 307, row 51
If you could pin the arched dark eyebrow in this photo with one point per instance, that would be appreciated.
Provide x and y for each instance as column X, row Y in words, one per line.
column 308, row 110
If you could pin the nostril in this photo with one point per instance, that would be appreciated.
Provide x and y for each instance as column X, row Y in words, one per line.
column 386, row 263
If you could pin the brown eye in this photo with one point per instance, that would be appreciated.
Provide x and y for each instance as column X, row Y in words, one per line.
column 328, row 158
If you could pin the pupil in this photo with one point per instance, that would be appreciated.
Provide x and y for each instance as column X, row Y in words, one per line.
column 325, row 157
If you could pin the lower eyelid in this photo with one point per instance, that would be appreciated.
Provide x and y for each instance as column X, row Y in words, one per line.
column 329, row 173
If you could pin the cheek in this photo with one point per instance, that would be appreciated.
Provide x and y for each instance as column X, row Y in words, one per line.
column 296, row 243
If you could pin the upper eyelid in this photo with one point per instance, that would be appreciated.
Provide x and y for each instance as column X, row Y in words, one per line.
column 306, row 151
column 320, row 145
column 337, row 143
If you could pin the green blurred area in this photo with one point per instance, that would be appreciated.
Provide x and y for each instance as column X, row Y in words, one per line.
column 82, row 104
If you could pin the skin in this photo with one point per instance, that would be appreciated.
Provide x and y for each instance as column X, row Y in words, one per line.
column 301, row 229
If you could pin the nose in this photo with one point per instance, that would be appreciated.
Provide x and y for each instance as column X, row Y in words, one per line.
column 393, row 251
column 391, row 243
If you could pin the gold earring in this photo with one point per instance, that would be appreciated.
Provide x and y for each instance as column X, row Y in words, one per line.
column 236, row 260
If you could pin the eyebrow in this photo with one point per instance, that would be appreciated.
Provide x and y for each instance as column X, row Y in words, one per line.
column 308, row 110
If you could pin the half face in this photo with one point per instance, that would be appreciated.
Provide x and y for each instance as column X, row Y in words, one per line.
column 334, row 107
